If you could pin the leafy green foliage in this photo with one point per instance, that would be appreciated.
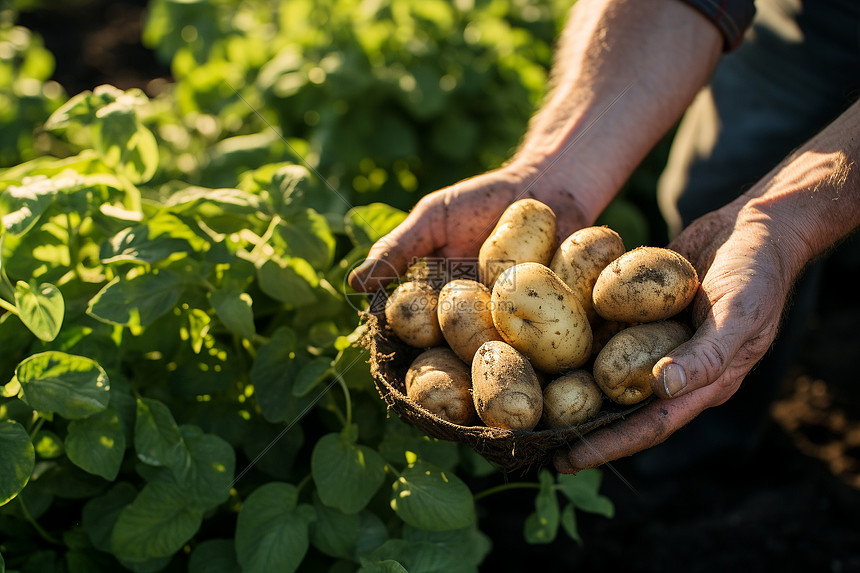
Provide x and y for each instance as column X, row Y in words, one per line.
column 182, row 386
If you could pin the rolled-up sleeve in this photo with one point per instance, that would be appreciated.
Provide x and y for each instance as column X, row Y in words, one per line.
column 731, row 17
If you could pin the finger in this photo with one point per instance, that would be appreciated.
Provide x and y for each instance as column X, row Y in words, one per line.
column 389, row 257
column 643, row 429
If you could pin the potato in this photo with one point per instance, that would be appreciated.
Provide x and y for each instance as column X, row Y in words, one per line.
column 465, row 317
column 581, row 257
column 571, row 400
column 505, row 388
column 645, row 285
column 411, row 313
column 524, row 233
column 536, row 313
column 441, row 383
column 623, row 368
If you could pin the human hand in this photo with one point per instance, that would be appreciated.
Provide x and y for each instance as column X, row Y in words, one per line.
column 454, row 222
column 745, row 280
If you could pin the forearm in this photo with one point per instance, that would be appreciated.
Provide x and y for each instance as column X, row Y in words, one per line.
column 811, row 201
column 625, row 71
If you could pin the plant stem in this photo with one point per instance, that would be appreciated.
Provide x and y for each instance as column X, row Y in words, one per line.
column 305, row 481
column 270, row 230
column 39, row 529
column 505, row 487
column 9, row 306
column 37, row 425
column 347, row 399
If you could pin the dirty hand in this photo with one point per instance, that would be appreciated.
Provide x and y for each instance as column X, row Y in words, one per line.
column 453, row 222
column 745, row 281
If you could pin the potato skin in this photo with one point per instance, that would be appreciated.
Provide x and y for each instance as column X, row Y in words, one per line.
column 645, row 285
column 580, row 259
column 441, row 383
column 623, row 368
column 411, row 313
column 536, row 313
column 465, row 317
column 524, row 233
column 505, row 387
column 572, row 399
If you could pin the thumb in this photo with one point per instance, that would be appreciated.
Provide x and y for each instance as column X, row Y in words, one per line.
column 389, row 257
column 697, row 363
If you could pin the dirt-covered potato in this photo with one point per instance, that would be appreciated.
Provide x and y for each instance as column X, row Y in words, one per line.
column 411, row 313
column 571, row 399
column 465, row 317
column 441, row 383
column 536, row 313
column 524, row 233
column 623, row 368
column 505, row 388
column 644, row 285
column 581, row 257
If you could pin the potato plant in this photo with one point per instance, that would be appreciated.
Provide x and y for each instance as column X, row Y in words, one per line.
column 180, row 388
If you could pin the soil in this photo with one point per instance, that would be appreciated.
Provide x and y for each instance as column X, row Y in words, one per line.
column 789, row 501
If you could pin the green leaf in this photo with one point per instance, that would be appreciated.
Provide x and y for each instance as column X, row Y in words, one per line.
column 134, row 244
column 100, row 514
column 272, row 530
column 214, row 556
column 427, row 497
column 17, row 461
column 469, row 545
column 542, row 525
column 137, row 301
column 157, row 439
column 97, row 444
column 273, row 373
column 568, row 522
column 123, row 142
column 25, row 204
column 290, row 283
column 346, row 474
column 48, row 445
column 308, row 236
column 72, row 386
column 156, row 524
column 288, row 188
column 387, row 566
column 334, row 533
column 581, row 489
column 311, row 374
column 208, row 474
column 40, row 308
column 368, row 223
column 233, row 307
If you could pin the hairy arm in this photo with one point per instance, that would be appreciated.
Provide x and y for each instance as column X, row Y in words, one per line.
column 625, row 70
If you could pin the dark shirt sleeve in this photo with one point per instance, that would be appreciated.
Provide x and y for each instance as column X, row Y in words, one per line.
column 731, row 17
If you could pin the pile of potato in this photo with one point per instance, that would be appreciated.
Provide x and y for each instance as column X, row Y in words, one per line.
column 549, row 331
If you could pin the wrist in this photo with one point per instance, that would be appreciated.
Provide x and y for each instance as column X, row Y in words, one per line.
column 552, row 177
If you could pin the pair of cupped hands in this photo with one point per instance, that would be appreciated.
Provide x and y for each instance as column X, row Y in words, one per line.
column 736, row 312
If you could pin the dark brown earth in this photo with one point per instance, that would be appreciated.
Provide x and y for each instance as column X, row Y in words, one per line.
column 790, row 504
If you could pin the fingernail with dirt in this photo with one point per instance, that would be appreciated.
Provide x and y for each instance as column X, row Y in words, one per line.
column 674, row 378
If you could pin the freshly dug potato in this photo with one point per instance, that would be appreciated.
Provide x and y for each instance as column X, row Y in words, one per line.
column 644, row 285
column 571, row 400
column 441, row 383
column 581, row 257
column 505, row 388
column 623, row 368
column 536, row 313
column 465, row 317
column 524, row 233
column 411, row 313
